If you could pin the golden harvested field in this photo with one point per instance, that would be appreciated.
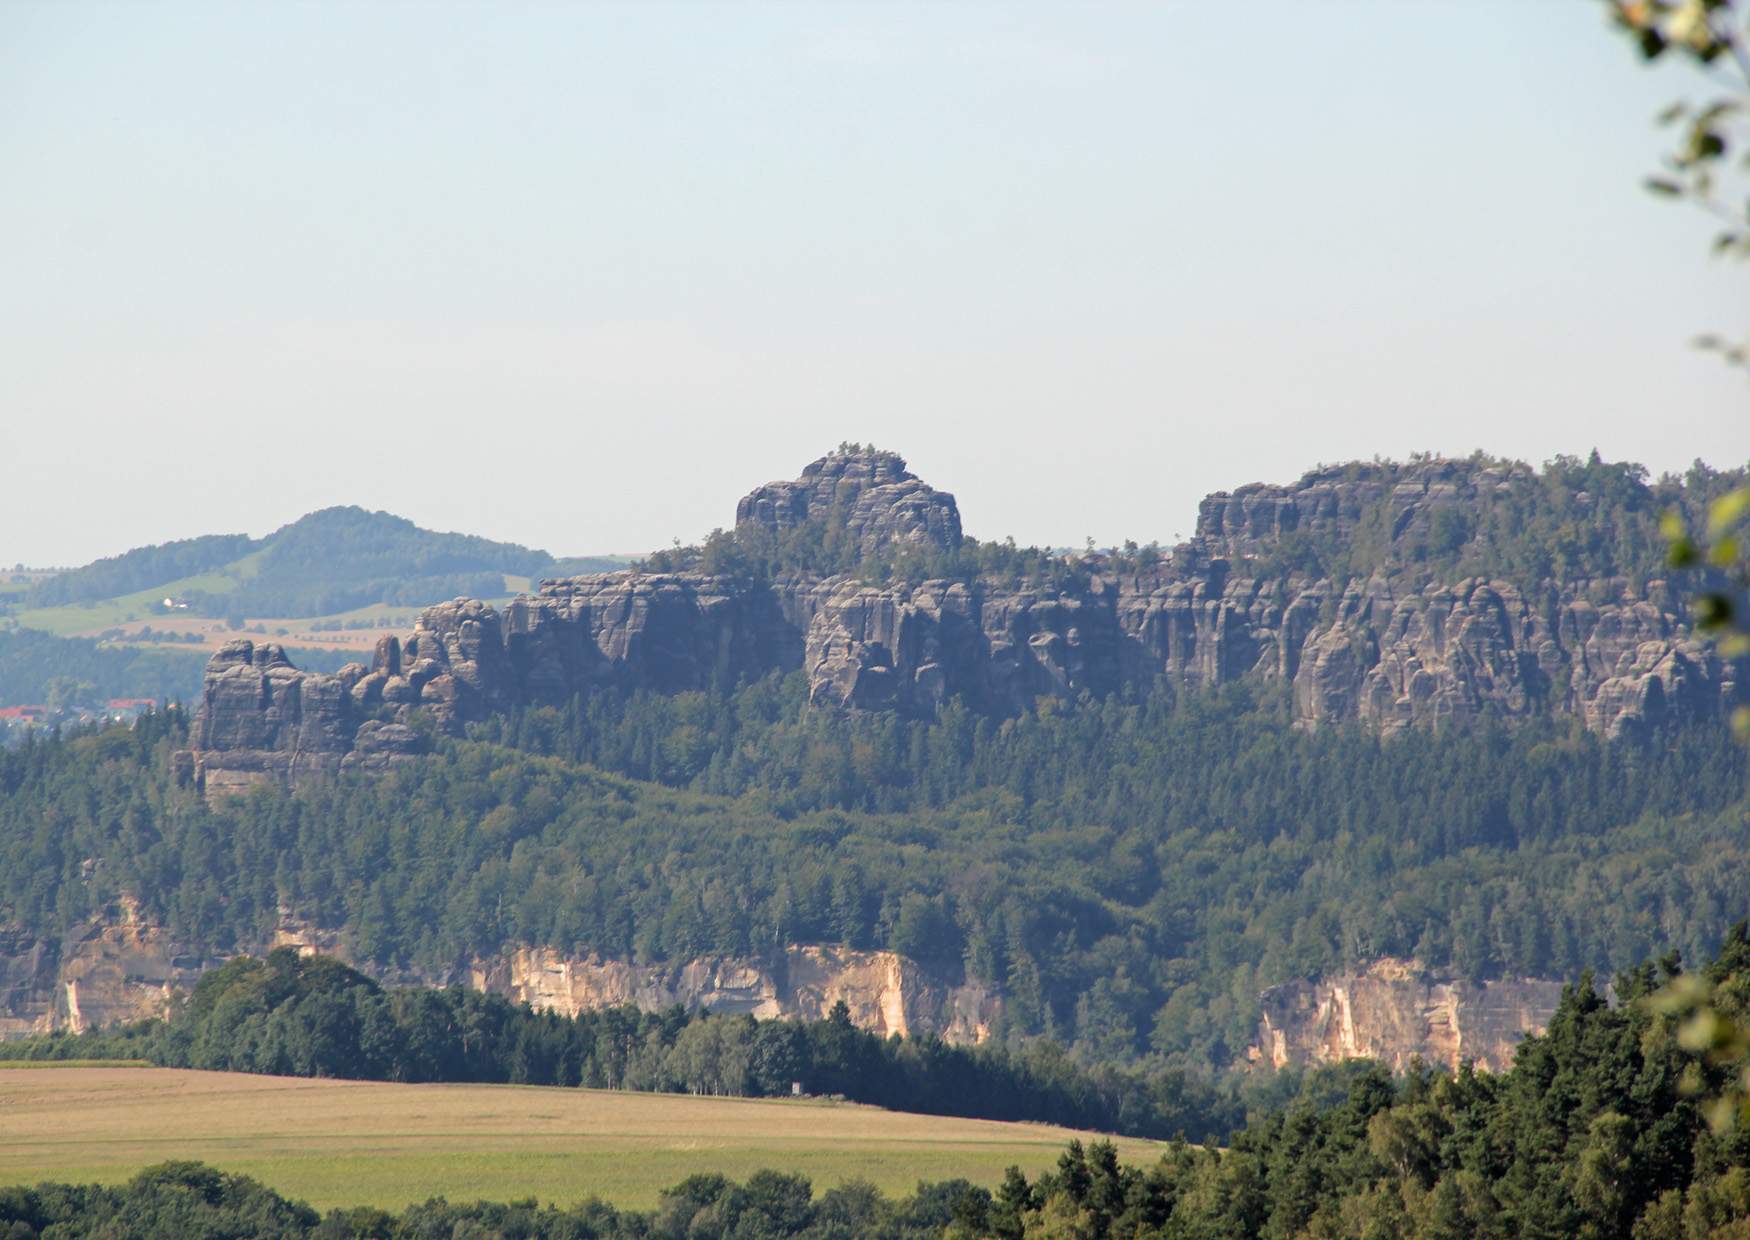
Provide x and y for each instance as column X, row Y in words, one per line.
column 336, row 1143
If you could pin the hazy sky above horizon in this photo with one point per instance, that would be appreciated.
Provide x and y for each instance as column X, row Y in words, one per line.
column 580, row 275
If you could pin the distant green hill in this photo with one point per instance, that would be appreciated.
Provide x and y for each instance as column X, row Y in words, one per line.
column 140, row 569
column 334, row 560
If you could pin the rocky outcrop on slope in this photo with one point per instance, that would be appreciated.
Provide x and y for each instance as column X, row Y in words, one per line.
column 262, row 721
column 1398, row 646
column 117, row 970
column 1395, row 1011
column 886, row 993
column 100, row 974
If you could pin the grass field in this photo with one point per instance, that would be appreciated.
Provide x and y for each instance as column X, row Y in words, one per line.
column 335, row 1143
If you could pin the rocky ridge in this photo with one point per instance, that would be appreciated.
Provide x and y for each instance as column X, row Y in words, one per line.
column 1389, row 649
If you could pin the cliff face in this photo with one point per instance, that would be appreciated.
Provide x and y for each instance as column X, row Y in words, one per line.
column 101, row 974
column 1398, row 647
column 886, row 993
column 1396, row 1011
column 120, row 970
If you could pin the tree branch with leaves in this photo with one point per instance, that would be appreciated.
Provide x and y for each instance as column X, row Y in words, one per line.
column 1709, row 166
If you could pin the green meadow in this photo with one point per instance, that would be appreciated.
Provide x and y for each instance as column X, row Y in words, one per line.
column 337, row 1143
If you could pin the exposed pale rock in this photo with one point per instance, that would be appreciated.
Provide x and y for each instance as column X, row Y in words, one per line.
column 1395, row 1011
column 101, row 974
column 885, row 992
column 120, row 970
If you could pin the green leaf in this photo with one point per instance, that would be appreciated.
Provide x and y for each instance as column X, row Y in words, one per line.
column 1713, row 611
column 1706, row 144
column 1727, row 510
column 1660, row 185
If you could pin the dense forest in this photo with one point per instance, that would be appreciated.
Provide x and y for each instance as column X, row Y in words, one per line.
column 177, row 1201
column 36, row 667
column 1596, row 1131
column 1130, row 875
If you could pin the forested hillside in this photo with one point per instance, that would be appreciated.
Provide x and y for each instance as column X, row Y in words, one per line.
column 1597, row 1131
column 328, row 561
column 140, row 569
column 1129, row 875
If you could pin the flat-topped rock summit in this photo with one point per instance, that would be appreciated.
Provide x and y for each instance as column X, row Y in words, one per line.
column 1422, row 595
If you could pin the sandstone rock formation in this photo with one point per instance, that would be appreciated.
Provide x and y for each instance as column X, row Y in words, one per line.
column 116, row 969
column 1392, row 649
column 261, row 720
column 1395, row 1011
column 878, row 500
column 885, row 992
column 103, row 973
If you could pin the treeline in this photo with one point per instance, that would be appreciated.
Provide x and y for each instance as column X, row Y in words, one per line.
column 1127, row 876
column 825, row 544
column 1573, row 519
column 1596, row 1131
column 289, row 1015
column 175, row 1201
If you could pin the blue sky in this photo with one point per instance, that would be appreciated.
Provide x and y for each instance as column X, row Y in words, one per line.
column 579, row 275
